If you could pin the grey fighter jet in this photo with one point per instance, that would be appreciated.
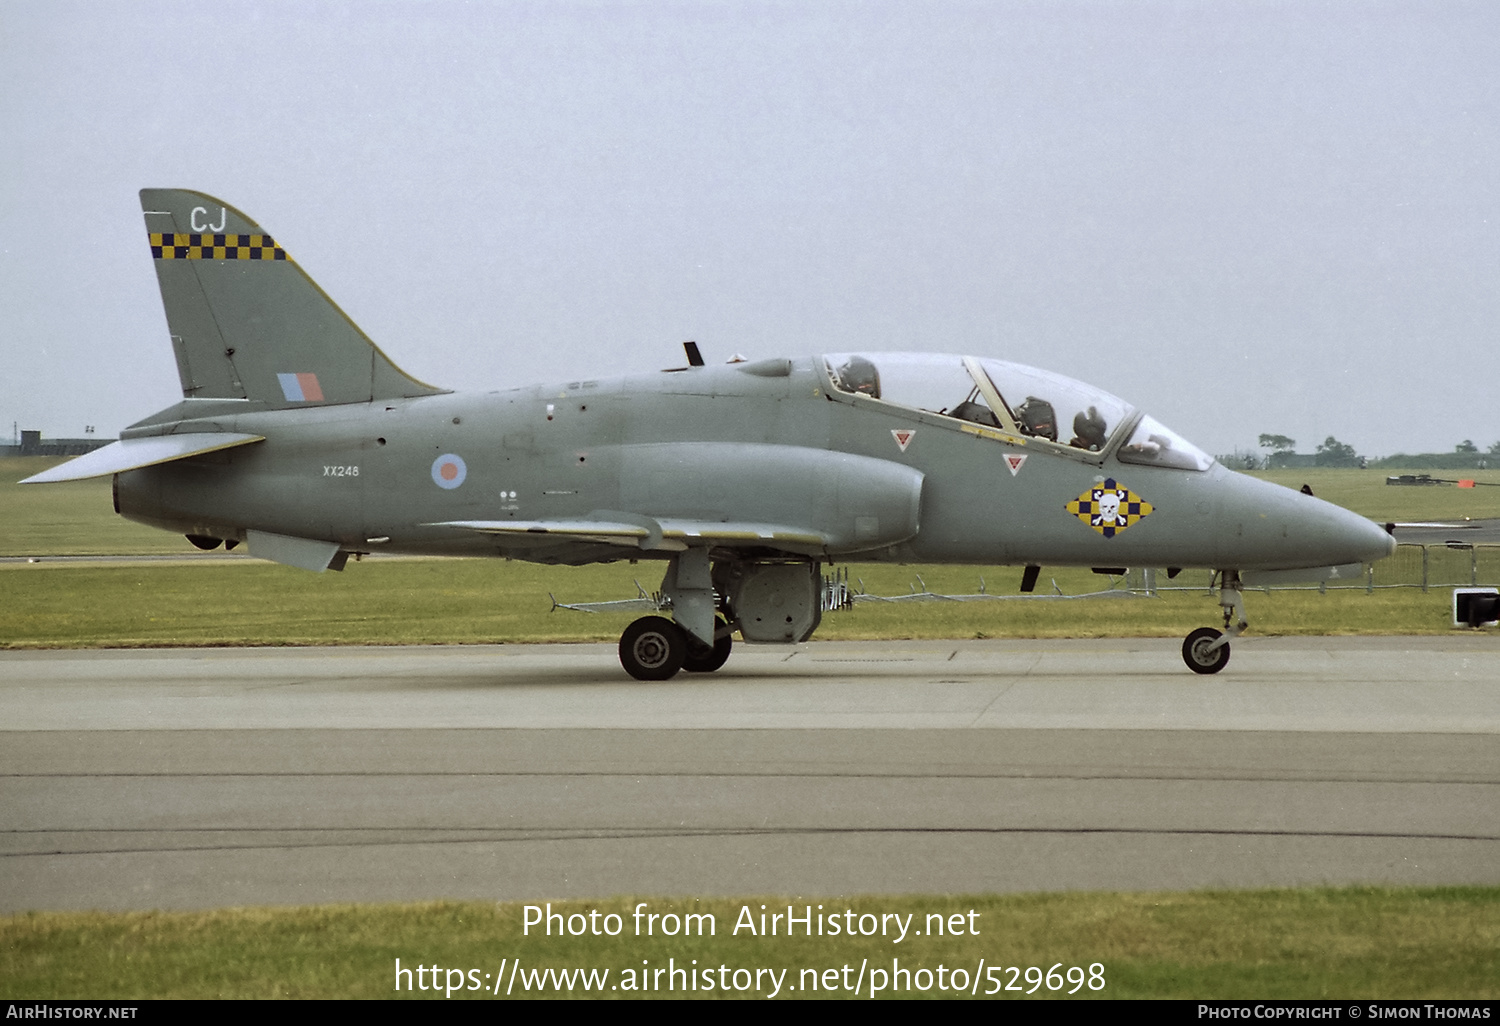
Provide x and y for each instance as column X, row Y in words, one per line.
column 298, row 437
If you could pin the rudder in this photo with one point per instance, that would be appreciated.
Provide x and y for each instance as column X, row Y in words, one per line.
column 247, row 322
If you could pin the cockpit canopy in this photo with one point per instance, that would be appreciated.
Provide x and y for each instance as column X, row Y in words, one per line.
column 1013, row 399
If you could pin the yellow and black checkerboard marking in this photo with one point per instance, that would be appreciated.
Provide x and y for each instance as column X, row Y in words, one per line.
column 202, row 246
column 1109, row 508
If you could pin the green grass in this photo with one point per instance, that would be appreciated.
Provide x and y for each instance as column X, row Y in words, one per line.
column 1366, row 492
column 71, row 518
column 1314, row 943
column 470, row 601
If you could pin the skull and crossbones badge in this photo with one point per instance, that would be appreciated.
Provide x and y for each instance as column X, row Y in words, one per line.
column 1109, row 507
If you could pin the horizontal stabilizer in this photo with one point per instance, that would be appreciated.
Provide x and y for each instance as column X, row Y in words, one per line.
column 670, row 535
column 135, row 453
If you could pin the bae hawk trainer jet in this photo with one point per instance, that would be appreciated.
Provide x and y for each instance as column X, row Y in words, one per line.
column 297, row 436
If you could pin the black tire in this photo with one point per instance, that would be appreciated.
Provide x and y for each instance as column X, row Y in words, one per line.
column 652, row 648
column 703, row 658
column 1194, row 652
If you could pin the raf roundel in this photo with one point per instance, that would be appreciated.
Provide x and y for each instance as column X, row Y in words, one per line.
column 449, row 471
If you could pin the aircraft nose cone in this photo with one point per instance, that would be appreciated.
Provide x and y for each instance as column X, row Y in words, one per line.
column 1349, row 537
column 1373, row 539
column 1277, row 528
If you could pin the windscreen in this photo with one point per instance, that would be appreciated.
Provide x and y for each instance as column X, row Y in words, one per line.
column 1154, row 444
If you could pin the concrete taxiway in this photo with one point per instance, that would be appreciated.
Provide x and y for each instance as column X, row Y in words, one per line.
column 197, row 778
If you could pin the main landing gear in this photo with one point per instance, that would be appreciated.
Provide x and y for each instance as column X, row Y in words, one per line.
column 772, row 602
column 1206, row 650
column 703, row 658
column 655, row 648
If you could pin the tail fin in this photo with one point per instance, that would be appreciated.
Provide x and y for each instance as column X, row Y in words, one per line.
column 247, row 322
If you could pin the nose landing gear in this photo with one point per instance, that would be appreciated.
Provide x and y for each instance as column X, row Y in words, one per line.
column 1206, row 650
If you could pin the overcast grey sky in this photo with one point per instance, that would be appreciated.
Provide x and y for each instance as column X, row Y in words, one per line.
column 1244, row 217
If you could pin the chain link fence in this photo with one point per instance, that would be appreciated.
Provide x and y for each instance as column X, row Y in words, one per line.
column 1412, row 566
column 1438, row 566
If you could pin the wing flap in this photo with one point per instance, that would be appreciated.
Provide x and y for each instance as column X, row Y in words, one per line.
column 601, row 531
column 742, row 533
column 135, row 453
column 670, row 534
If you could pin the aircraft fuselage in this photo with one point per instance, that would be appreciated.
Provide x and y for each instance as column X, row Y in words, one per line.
column 369, row 476
column 299, row 437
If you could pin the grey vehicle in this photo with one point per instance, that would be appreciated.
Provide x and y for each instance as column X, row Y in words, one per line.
column 298, row 437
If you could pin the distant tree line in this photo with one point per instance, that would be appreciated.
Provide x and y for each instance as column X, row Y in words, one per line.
column 1282, row 452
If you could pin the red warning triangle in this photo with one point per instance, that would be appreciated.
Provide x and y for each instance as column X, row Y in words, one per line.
column 1014, row 461
column 903, row 437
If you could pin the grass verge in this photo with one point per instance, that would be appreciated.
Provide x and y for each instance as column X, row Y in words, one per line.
column 1401, row 943
column 419, row 602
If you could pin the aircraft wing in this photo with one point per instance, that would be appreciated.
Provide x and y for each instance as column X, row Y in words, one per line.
column 135, row 453
column 646, row 533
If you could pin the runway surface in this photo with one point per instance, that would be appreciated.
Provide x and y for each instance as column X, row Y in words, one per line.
column 1450, row 532
column 204, row 778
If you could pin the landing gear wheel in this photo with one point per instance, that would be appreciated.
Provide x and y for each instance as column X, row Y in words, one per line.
column 702, row 658
column 1196, row 653
column 652, row 648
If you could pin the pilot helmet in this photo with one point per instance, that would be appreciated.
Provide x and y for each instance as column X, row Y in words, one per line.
column 859, row 375
column 1037, row 418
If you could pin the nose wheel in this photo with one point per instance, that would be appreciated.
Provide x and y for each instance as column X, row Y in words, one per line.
column 1200, row 654
column 1206, row 650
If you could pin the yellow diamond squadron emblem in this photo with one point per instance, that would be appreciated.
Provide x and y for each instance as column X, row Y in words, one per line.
column 1109, row 508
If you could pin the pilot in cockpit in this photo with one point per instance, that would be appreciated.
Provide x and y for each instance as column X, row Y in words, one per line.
column 974, row 411
column 1036, row 417
column 1089, row 430
column 859, row 375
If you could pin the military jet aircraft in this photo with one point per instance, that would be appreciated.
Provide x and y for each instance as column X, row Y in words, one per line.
column 297, row 436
